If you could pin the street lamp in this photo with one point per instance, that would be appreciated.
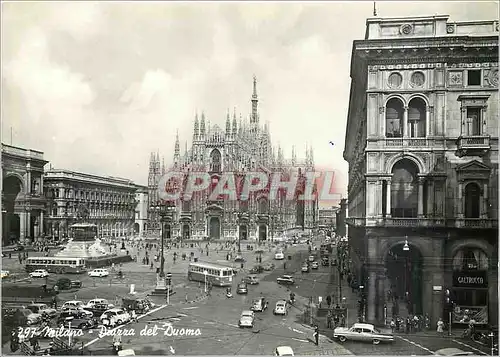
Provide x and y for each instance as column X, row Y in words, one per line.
column 205, row 272
column 237, row 216
column 492, row 336
column 163, row 210
column 406, row 247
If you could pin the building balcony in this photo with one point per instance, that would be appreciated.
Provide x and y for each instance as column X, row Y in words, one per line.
column 407, row 142
column 476, row 223
column 480, row 223
column 473, row 145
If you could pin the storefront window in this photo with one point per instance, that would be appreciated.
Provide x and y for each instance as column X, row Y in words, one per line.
column 470, row 286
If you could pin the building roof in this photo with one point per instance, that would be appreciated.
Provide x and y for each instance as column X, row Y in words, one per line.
column 57, row 174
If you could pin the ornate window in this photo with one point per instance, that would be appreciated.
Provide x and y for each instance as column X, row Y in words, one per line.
column 215, row 158
column 394, row 118
column 417, row 79
column 473, row 121
column 472, row 200
column 470, row 258
column 404, row 189
column 395, row 80
column 416, row 118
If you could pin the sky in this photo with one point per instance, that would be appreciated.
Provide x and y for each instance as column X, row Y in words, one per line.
column 98, row 86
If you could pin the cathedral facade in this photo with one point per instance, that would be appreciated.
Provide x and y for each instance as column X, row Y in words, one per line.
column 242, row 146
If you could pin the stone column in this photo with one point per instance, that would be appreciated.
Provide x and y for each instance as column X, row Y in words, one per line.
column 427, row 121
column 41, row 223
column 388, row 199
column 37, row 227
column 420, row 197
column 28, row 180
column 372, row 296
column 463, row 114
column 485, row 214
column 22, row 224
column 483, row 122
column 460, row 205
column 430, row 199
column 28, row 225
column 405, row 122
column 380, row 284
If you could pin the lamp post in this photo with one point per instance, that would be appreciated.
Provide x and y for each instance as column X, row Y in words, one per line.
column 205, row 273
column 237, row 217
column 163, row 209
column 492, row 336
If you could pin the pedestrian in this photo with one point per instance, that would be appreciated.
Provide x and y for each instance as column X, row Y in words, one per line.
column 328, row 300
column 393, row 325
column 329, row 319
column 316, row 335
column 440, row 326
column 133, row 315
column 408, row 325
column 336, row 320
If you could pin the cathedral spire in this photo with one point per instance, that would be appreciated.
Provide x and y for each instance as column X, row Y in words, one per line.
column 255, row 100
column 235, row 125
column 294, row 156
column 163, row 168
column 177, row 151
column 202, row 126
column 196, row 131
column 228, row 124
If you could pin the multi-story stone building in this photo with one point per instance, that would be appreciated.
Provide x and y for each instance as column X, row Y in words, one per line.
column 141, row 210
column 340, row 217
column 422, row 147
column 243, row 146
column 23, row 202
column 108, row 202
column 327, row 217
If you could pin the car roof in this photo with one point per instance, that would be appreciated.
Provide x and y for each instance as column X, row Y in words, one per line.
column 280, row 302
column 284, row 350
column 286, row 276
column 451, row 351
column 247, row 312
column 72, row 301
column 360, row 325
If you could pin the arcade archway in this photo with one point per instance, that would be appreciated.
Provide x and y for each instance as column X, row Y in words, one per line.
column 262, row 232
column 243, row 232
column 214, row 228
column 185, row 231
column 11, row 231
column 404, row 271
column 136, row 228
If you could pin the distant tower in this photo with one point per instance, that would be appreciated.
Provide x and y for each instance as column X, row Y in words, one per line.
column 228, row 126
column 177, row 151
column 196, row 131
column 235, row 125
column 254, row 118
column 202, row 127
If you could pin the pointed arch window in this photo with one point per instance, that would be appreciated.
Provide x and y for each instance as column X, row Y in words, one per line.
column 215, row 159
column 394, row 118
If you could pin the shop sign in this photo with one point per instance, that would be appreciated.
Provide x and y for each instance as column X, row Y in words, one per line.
column 473, row 279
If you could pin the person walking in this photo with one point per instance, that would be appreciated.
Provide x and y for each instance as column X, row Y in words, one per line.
column 440, row 326
column 329, row 319
column 393, row 325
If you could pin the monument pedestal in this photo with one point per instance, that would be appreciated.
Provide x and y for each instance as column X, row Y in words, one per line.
column 161, row 287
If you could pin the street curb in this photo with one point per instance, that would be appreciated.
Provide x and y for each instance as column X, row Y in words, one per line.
column 199, row 299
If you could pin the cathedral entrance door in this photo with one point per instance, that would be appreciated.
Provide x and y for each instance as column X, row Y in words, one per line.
column 243, row 232
column 214, row 228
column 262, row 232
column 185, row 231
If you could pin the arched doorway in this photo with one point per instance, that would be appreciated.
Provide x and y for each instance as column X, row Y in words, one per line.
column 12, row 187
column 404, row 189
column 469, row 292
column 136, row 228
column 262, row 232
column 185, row 231
column 404, row 271
column 472, row 200
column 243, row 232
column 214, row 228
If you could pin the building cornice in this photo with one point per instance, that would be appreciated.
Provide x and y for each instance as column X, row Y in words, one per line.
column 62, row 175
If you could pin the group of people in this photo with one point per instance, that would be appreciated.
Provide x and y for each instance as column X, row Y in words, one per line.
column 412, row 323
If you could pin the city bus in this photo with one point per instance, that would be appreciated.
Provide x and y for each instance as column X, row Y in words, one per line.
column 59, row 265
column 216, row 274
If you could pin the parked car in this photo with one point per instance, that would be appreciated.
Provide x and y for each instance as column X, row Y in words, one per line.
column 246, row 319
column 99, row 309
column 252, row 280
column 28, row 317
column 325, row 261
column 279, row 256
column 362, row 332
column 259, row 305
column 304, row 268
column 72, row 304
column 91, row 303
column 75, row 318
column 239, row 258
column 452, row 352
column 283, row 351
column 280, row 308
column 39, row 273
column 115, row 316
column 257, row 269
column 242, row 288
column 311, row 258
column 67, row 284
column 99, row 273
column 285, row 280
column 42, row 309
column 314, row 265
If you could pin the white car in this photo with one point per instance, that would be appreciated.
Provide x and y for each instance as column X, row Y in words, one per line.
column 94, row 302
column 283, row 351
column 76, row 305
column 246, row 319
column 280, row 308
column 5, row 273
column 99, row 273
column 279, row 256
column 40, row 273
column 312, row 258
column 114, row 317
